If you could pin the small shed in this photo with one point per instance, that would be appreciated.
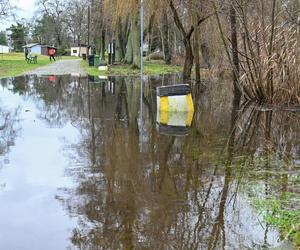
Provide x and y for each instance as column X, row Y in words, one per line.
column 38, row 49
column 35, row 48
column 4, row 49
column 79, row 50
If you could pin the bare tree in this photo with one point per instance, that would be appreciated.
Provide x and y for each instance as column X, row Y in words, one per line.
column 76, row 20
column 54, row 10
column 187, row 31
column 6, row 9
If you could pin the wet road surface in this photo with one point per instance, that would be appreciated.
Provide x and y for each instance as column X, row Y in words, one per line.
column 62, row 67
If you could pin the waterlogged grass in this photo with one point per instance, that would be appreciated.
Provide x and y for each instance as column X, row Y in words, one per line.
column 279, row 208
column 284, row 213
column 14, row 64
column 150, row 68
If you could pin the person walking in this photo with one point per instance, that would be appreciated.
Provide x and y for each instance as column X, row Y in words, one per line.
column 51, row 53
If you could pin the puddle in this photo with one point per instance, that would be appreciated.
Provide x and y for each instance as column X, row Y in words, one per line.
column 86, row 165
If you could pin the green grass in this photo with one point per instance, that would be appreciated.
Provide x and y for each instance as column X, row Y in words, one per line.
column 150, row 68
column 284, row 213
column 14, row 64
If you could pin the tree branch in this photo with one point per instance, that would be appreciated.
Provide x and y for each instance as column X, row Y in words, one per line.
column 200, row 20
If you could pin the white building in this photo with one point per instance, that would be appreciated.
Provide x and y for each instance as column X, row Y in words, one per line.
column 4, row 49
column 34, row 48
column 79, row 50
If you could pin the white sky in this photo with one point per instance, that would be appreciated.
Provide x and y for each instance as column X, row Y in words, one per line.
column 26, row 10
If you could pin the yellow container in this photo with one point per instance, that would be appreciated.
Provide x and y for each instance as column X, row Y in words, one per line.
column 175, row 109
column 175, row 98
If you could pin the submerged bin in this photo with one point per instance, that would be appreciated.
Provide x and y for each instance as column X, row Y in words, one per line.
column 175, row 98
column 175, row 109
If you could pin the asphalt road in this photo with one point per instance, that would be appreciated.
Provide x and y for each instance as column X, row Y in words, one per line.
column 61, row 67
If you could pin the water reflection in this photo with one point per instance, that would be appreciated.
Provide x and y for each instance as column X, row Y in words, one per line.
column 9, row 130
column 30, row 216
column 175, row 193
column 269, row 142
column 135, row 187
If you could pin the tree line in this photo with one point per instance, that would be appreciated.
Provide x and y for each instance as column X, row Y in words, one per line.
column 256, row 39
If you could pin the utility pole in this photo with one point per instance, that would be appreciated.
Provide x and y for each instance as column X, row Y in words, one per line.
column 88, row 45
column 142, row 35
column 142, row 64
column 142, row 47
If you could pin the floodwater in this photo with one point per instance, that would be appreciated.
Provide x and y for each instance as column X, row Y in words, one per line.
column 86, row 163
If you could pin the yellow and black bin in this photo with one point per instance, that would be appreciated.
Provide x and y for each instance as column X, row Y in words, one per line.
column 175, row 109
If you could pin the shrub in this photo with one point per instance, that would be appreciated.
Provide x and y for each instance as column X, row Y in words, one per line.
column 156, row 56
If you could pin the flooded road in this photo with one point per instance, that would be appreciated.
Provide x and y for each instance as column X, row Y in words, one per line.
column 86, row 163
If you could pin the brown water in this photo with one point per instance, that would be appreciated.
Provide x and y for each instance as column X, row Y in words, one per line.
column 85, row 165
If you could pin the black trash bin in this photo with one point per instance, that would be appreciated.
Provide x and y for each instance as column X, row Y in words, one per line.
column 84, row 56
column 91, row 60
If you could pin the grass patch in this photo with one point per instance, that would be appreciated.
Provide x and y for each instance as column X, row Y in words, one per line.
column 14, row 64
column 284, row 213
column 150, row 68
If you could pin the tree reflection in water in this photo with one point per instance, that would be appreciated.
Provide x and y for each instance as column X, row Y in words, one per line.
column 177, row 192
column 9, row 130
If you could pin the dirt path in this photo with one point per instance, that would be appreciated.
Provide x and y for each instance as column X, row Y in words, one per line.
column 62, row 67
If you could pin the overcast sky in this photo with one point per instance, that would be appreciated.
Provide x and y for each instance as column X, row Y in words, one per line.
column 26, row 10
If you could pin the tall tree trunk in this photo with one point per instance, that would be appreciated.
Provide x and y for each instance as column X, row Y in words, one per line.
column 196, row 47
column 135, row 40
column 150, row 39
column 122, row 36
column 128, row 54
column 188, row 61
column 165, row 33
column 235, row 55
column 162, row 41
column 150, row 33
column 189, row 57
column 103, row 44
column 121, row 39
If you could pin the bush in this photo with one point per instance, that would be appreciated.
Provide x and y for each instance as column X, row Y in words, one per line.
column 156, row 56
